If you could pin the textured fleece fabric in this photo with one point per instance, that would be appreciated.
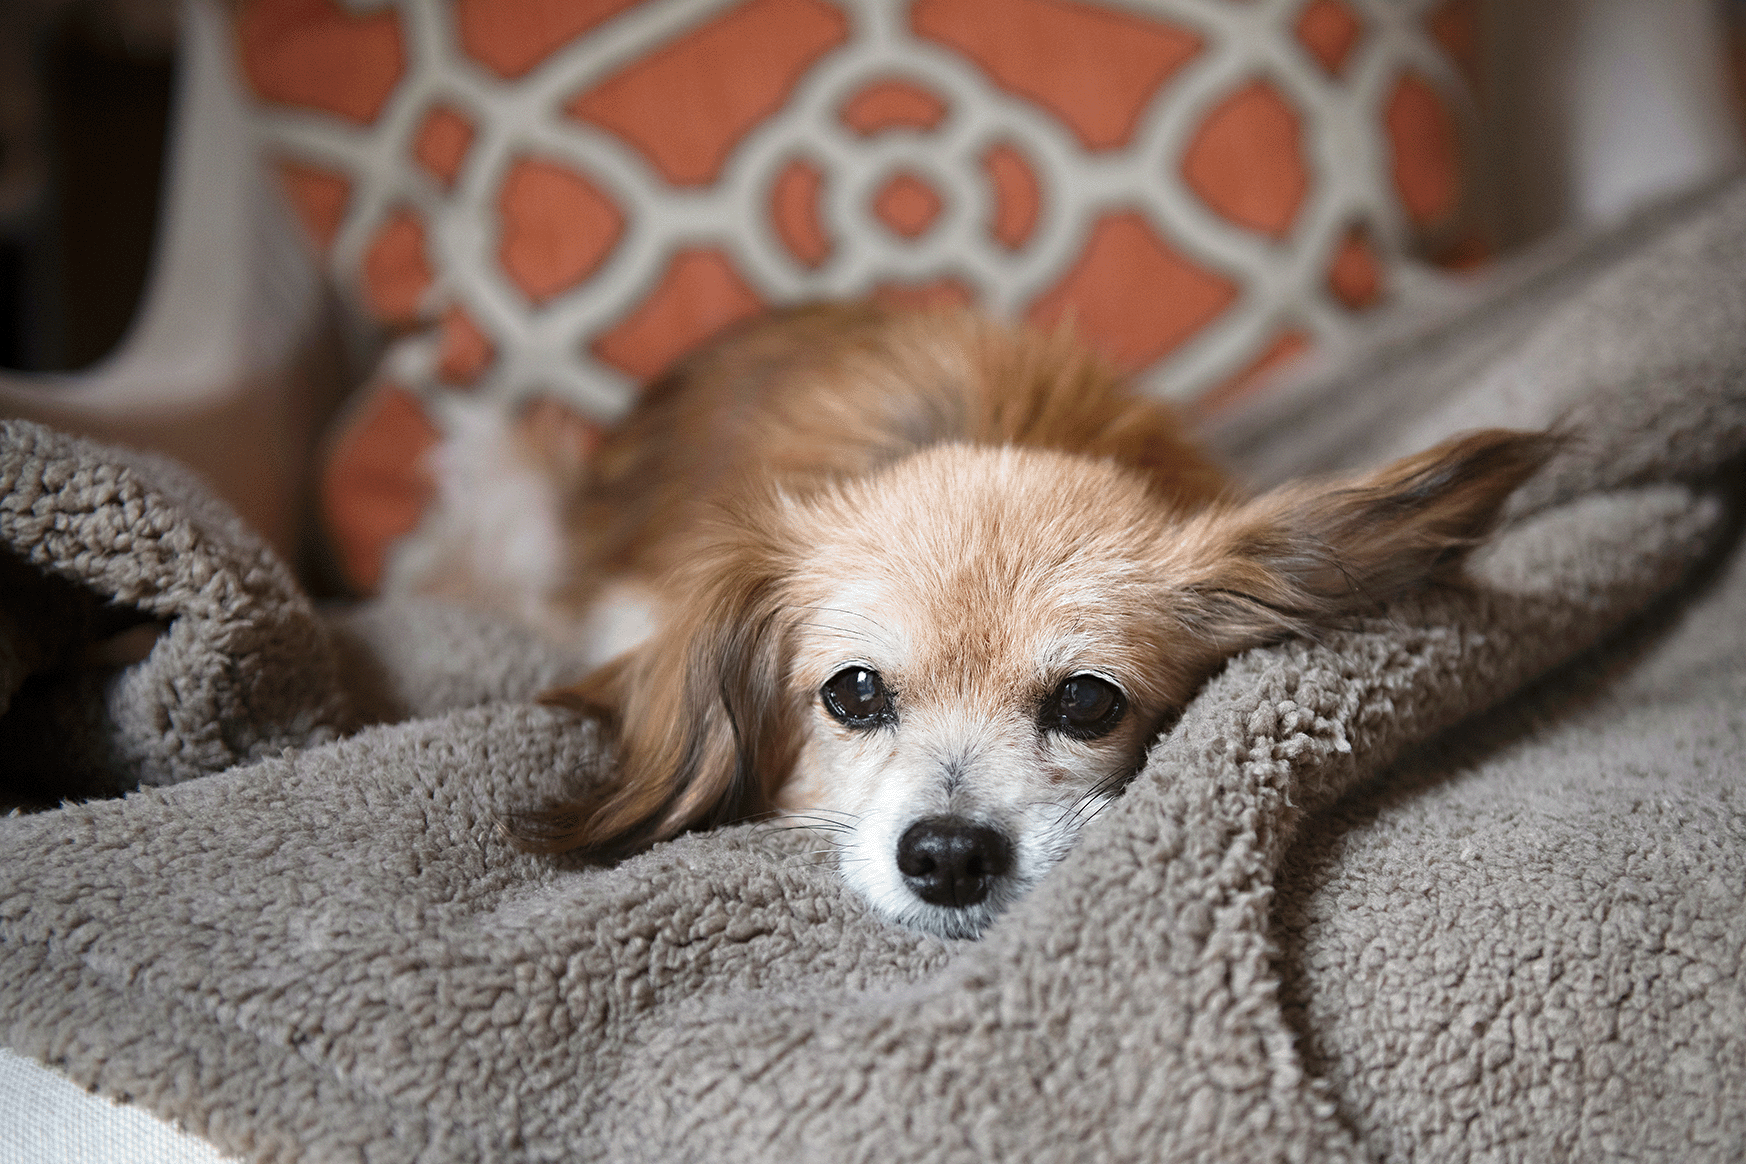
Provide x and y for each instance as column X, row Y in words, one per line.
column 95, row 541
column 1465, row 882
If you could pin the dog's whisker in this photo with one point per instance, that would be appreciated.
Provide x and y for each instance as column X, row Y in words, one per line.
column 824, row 821
column 826, row 824
column 805, row 828
column 1089, row 805
column 1062, row 809
column 1096, row 808
column 877, row 625
column 839, row 632
column 882, row 634
column 820, row 811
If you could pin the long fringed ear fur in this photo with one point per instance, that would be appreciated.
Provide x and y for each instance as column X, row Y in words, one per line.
column 1309, row 555
column 700, row 716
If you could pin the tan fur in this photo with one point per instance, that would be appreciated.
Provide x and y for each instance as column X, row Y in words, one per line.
column 977, row 514
column 821, row 392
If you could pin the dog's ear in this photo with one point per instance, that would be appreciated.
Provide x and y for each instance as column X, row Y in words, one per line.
column 699, row 712
column 1308, row 555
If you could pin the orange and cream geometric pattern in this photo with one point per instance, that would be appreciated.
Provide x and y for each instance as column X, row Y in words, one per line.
column 554, row 198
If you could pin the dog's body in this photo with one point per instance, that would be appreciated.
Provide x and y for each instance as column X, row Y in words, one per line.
column 931, row 584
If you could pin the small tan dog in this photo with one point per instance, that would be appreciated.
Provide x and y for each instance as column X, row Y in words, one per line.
column 928, row 583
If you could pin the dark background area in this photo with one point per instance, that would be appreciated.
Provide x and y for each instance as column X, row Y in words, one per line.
column 74, row 256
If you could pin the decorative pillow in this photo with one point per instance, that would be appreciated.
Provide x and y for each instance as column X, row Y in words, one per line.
column 554, row 198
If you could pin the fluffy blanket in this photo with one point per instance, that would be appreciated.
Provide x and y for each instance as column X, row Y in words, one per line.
column 1465, row 882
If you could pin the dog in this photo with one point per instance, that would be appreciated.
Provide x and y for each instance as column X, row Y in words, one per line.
column 924, row 581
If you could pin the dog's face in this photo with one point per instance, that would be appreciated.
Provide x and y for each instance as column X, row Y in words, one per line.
column 979, row 645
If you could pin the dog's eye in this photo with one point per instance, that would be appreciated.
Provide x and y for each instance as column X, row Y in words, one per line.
column 1084, row 707
column 857, row 697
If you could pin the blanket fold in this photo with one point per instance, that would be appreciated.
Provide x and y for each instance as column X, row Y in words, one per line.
column 1463, row 881
column 96, row 541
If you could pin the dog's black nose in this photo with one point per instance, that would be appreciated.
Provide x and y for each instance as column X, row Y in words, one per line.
column 946, row 860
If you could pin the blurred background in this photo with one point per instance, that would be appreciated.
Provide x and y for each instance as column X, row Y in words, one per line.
column 157, row 290
column 85, row 94
column 1591, row 105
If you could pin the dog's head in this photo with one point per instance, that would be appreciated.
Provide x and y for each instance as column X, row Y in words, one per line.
column 951, row 663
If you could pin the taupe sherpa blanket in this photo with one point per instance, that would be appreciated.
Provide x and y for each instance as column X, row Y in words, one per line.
column 1466, row 882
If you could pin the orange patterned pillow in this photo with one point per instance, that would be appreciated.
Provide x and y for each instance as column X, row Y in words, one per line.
column 553, row 198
